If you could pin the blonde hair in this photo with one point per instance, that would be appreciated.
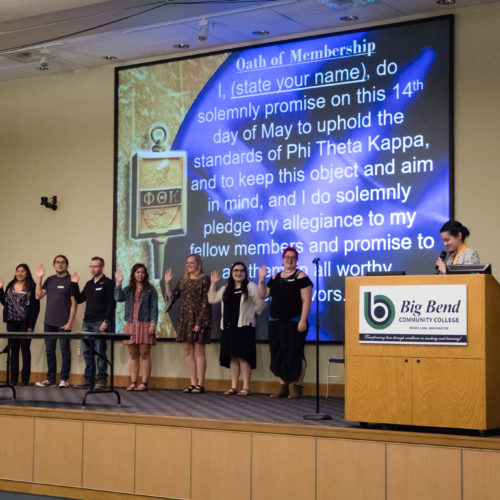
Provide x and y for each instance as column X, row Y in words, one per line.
column 198, row 262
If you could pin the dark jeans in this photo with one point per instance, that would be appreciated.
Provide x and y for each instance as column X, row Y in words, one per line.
column 99, row 346
column 15, row 345
column 50, row 350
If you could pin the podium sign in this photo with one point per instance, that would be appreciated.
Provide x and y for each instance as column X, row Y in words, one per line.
column 413, row 314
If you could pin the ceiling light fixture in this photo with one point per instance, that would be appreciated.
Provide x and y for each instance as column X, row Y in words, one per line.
column 109, row 58
column 446, row 2
column 348, row 19
column 181, row 46
column 274, row 4
column 44, row 60
column 203, row 30
column 260, row 33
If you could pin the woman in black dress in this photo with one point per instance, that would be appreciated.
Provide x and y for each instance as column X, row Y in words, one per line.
column 291, row 293
column 20, row 312
column 239, row 304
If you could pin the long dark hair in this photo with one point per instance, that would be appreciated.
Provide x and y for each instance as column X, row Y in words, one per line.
column 455, row 228
column 230, row 282
column 132, row 284
column 29, row 284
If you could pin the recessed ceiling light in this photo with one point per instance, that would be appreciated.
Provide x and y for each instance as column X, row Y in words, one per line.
column 181, row 46
column 260, row 32
column 445, row 2
column 349, row 18
column 109, row 58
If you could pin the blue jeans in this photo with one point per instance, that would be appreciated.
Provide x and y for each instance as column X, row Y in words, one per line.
column 99, row 345
column 50, row 350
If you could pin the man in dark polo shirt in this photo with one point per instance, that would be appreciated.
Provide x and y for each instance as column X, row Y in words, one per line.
column 99, row 314
column 60, row 312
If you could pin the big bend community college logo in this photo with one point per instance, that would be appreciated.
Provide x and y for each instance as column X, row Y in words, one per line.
column 379, row 310
column 413, row 314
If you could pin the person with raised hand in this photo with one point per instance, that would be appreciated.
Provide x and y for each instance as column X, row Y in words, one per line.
column 194, row 328
column 291, row 294
column 21, row 309
column 60, row 312
column 239, row 303
column 99, row 314
column 141, row 316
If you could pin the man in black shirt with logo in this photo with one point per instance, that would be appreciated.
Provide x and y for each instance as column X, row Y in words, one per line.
column 99, row 314
column 60, row 312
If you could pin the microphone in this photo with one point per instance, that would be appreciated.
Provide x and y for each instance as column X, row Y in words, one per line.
column 442, row 256
column 315, row 260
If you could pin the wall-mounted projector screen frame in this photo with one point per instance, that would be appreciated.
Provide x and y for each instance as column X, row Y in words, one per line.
column 340, row 145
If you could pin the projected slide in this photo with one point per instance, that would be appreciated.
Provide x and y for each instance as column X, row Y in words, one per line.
column 337, row 145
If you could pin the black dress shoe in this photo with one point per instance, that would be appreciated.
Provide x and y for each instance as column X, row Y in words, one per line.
column 83, row 386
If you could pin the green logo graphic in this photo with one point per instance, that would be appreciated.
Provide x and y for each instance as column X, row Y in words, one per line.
column 379, row 312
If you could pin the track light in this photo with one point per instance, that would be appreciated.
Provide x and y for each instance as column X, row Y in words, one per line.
column 203, row 31
column 49, row 204
column 44, row 61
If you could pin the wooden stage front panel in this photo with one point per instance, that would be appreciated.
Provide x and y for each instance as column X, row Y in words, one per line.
column 104, row 455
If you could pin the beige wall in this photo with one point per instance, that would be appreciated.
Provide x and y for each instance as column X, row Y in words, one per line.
column 56, row 137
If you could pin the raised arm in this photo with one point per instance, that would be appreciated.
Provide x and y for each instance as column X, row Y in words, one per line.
column 39, row 291
column 262, row 289
column 119, row 295
column 214, row 296
column 2, row 293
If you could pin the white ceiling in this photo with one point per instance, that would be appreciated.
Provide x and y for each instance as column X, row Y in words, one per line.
column 76, row 34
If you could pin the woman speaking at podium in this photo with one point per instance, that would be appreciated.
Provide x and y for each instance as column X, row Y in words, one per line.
column 454, row 234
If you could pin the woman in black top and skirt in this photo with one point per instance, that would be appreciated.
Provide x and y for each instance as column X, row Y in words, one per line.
column 20, row 312
column 291, row 293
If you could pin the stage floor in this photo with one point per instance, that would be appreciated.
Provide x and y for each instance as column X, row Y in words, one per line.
column 211, row 405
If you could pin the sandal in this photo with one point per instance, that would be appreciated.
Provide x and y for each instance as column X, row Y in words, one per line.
column 198, row 389
column 230, row 392
column 189, row 389
column 244, row 392
column 132, row 386
column 142, row 387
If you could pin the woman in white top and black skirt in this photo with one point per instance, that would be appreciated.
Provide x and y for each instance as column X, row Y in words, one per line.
column 239, row 304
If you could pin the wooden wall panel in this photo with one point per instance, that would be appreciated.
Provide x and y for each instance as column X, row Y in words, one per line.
column 283, row 467
column 481, row 474
column 108, row 456
column 16, row 448
column 459, row 402
column 58, row 452
column 418, row 472
column 350, row 470
column 163, row 461
column 379, row 389
column 220, row 465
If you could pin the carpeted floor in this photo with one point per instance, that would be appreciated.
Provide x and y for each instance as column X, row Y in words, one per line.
column 211, row 405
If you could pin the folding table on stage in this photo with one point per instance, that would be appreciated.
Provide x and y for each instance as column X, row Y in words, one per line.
column 112, row 337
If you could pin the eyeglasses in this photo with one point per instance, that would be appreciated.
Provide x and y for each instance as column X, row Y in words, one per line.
column 60, row 262
column 238, row 270
column 289, row 257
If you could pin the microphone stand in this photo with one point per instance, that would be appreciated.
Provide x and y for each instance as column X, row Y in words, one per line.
column 317, row 415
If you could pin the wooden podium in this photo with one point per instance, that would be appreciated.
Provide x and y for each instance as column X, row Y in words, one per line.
column 427, row 385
